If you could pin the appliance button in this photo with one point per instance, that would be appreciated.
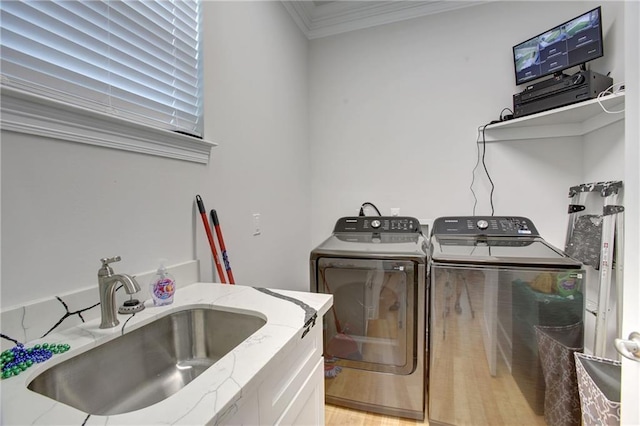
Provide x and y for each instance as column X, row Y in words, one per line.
column 375, row 224
column 578, row 79
column 482, row 224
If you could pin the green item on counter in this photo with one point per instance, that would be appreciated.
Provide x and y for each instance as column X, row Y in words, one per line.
column 17, row 359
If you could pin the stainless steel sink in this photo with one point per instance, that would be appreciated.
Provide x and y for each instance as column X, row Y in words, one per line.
column 146, row 365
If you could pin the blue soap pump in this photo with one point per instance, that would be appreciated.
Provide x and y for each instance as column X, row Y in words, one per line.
column 162, row 286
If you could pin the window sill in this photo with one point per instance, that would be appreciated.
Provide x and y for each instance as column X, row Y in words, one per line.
column 22, row 112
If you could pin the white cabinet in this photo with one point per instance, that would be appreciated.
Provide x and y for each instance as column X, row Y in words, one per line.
column 572, row 120
column 285, row 393
column 293, row 391
column 307, row 406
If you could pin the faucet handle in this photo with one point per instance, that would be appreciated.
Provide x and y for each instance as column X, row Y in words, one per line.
column 107, row 260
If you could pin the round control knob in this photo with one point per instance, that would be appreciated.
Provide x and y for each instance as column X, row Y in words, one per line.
column 375, row 224
column 482, row 224
column 578, row 79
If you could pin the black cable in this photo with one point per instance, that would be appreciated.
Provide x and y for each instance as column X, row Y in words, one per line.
column 484, row 165
column 502, row 116
column 473, row 173
column 484, row 150
column 366, row 203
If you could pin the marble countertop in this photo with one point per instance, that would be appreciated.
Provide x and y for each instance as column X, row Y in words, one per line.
column 207, row 398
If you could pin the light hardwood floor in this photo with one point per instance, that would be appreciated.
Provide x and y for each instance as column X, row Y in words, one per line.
column 335, row 416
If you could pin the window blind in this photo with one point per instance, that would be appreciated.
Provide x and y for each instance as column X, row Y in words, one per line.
column 138, row 60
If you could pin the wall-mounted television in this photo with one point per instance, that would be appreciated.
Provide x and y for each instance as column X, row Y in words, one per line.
column 572, row 43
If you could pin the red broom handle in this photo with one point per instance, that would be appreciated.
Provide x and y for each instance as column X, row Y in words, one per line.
column 207, row 228
column 223, row 248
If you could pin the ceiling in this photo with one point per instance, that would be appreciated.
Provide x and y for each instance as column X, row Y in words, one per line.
column 324, row 18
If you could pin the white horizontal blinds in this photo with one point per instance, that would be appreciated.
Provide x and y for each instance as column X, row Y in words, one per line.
column 139, row 60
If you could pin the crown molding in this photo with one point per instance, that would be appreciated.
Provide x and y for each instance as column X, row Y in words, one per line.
column 323, row 19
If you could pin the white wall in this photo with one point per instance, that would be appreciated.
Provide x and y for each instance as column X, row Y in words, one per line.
column 604, row 149
column 256, row 108
column 395, row 111
column 631, row 315
column 307, row 132
column 66, row 205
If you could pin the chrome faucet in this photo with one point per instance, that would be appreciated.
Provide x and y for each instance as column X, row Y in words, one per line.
column 107, row 282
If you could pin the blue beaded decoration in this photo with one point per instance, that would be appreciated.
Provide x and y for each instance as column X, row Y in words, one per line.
column 17, row 359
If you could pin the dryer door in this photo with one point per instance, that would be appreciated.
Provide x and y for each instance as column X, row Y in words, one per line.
column 372, row 322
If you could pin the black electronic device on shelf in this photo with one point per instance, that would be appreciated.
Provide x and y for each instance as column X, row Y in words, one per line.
column 571, row 44
column 560, row 91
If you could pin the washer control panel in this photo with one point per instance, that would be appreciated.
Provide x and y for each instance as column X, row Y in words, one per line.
column 505, row 226
column 378, row 224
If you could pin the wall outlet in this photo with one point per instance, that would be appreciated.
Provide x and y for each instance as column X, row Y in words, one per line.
column 256, row 224
column 395, row 211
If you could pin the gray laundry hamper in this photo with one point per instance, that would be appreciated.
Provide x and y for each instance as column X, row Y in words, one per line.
column 556, row 346
column 599, row 386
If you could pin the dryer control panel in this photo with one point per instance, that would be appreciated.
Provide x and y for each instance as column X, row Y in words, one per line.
column 378, row 224
column 495, row 226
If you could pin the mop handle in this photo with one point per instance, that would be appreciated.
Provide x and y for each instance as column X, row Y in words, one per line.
column 223, row 248
column 207, row 228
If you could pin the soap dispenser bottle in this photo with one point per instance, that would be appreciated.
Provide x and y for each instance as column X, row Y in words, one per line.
column 162, row 287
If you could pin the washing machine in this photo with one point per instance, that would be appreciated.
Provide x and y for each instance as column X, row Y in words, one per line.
column 493, row 281
column 375, row 333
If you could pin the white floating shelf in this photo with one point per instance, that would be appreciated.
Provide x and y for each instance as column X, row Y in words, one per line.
column 572, row 120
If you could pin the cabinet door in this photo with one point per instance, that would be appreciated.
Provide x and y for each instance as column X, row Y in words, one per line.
column 281, row 389
column 307, row 407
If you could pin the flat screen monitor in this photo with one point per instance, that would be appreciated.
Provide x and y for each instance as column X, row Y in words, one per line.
column 572, row 43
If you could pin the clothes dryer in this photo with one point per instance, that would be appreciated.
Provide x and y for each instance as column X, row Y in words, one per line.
column 375, row 334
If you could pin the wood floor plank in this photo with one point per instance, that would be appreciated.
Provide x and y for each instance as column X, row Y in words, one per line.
column 339, row 416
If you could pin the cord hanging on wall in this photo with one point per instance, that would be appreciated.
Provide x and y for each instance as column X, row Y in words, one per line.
column 365, row 204
column 481, row 158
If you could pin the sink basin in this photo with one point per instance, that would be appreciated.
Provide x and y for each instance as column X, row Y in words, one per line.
column 148, row 364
